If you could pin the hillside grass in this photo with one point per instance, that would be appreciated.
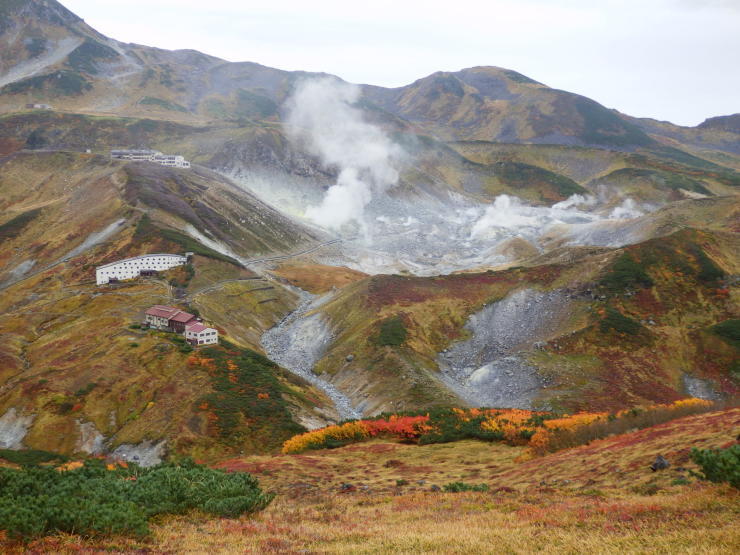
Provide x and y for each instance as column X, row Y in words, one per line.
column 378, row 498
column 163, row 104
column 15, row 226
column 146, row 230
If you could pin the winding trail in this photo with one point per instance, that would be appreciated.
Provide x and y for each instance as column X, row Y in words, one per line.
column 292, row 255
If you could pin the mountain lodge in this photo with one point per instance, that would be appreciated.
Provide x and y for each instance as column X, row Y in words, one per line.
column 169, row 318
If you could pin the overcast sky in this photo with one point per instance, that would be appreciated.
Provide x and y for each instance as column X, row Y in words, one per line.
column 676, row 60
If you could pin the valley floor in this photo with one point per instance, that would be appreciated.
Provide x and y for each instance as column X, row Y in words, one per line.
column 377, row 498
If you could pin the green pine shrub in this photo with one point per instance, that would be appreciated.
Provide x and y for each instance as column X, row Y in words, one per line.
column 720, row 465
column 729, row 330
column 456, row 487
column 94, row 500
column 615, row 320
column 29, row 457
column 626, row 273
column 392, row 332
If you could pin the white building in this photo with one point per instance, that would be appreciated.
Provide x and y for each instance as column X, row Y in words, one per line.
column 146, row 155
column 198, row 334
column 171, row 160
column 132, row 267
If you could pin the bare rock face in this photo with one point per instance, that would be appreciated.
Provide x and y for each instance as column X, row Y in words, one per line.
column 486, row 370
column 299, row 341
column 13, row 428
column 90, row 440
column 147, row 453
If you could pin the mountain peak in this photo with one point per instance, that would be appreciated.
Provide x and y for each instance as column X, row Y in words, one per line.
column 40, row 11
column 729, row 123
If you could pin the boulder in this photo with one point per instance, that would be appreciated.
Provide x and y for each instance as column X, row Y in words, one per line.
column 660, row 463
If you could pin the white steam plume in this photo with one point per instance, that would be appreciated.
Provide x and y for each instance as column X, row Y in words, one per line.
column 323, row 118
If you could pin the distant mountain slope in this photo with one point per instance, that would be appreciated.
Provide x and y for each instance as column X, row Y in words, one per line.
column 51, row 56
column 716, row 139
column 110, row 197
column 467, row 137
column 722, row 123
column 495, row 104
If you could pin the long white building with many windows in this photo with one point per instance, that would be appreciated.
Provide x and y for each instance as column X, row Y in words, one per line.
column 146, row 155
column 133, row 267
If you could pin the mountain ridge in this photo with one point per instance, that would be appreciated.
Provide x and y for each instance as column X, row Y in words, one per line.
column 483, row 102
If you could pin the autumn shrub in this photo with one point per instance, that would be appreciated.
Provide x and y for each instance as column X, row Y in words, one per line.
column 719, row 465
column 95, row 499
column 181, row 276
column 541, row 431
column 513, row 426
column 581, row 428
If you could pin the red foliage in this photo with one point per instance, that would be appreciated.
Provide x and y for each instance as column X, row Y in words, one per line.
column 403, row 427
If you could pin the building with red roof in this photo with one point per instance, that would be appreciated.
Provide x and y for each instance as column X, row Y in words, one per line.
column 198, row 334
column 168, row 318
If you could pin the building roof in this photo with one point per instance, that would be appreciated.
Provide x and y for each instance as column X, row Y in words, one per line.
column 171, row 313
column 138, row 258
column 162, row 311
column 196, row 327
column 183, row 317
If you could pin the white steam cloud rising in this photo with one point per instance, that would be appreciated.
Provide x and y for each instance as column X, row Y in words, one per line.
column 323, row 118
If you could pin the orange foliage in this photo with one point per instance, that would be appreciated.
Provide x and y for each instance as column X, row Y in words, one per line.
column 541, row 431
column 72, row 465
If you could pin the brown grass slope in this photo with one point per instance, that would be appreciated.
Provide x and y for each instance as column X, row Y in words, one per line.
column 69, row 358
column 63, row 198
column 600, row 497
